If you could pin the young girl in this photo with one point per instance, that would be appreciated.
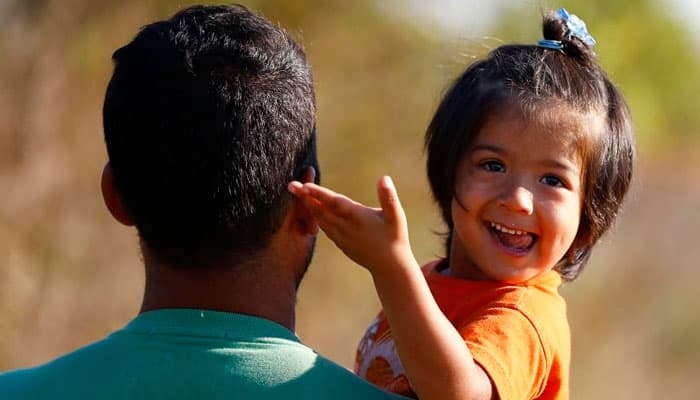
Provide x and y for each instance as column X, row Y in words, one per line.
column 529, row 157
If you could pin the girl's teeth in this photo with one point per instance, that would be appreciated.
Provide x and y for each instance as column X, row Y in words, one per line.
column 503, row 229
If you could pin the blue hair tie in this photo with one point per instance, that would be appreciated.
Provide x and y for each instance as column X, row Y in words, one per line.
column 575, row 27
column 551, row 44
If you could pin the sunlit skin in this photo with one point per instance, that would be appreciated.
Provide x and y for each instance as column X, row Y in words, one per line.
column 516, row 212
column 523, row 179
column 377, row 238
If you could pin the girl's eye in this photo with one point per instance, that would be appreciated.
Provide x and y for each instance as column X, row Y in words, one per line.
column 552, row 180
column 493, row 166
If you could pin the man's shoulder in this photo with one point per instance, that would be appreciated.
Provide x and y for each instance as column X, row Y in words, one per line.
column 48, row 380
column 326, row 377
column 294, row 370
column 117, row 367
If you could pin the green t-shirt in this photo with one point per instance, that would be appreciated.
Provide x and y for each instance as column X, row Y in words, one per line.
column 191, row 354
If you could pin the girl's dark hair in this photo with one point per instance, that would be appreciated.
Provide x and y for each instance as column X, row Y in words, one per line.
column 540, row 80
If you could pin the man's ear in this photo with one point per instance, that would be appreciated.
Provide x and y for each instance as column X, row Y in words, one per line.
column 112, row 199
column 302, row 216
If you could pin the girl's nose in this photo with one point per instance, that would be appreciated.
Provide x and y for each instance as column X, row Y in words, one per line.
column 517, row 198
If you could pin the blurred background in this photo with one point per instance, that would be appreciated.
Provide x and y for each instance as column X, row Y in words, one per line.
column 70, row 275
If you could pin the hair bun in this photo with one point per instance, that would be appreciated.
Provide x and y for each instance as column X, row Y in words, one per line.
column 570, row 31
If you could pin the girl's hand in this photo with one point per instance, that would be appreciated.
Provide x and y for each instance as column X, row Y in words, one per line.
column 376, row 238
column 438, row 363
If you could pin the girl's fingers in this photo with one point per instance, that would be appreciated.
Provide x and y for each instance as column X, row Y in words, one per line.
column 389, row 200
column 299, row 191
column 335, row 203
column 296, row 188
column 330, row 209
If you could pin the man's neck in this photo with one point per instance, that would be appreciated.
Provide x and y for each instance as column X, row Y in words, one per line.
column 257, row 288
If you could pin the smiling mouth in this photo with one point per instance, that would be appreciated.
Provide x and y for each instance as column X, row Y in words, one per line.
column 512, row 239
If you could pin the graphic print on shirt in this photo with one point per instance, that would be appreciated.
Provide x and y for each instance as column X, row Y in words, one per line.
column 377, row 360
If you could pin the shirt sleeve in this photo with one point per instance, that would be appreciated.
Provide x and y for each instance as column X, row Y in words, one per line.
column 509, row 348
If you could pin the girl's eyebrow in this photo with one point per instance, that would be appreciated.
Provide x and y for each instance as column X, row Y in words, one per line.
column 562, row 166
column 487, row 147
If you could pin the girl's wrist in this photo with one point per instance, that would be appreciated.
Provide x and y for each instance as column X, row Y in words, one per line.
column 397, row 262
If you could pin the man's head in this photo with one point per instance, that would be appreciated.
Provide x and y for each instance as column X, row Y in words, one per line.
column 207, row 117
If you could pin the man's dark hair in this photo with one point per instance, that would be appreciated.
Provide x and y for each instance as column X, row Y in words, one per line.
column 207, row 117
column 541, row 83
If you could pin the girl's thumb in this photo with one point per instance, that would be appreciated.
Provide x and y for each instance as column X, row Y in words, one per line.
column 389, row 200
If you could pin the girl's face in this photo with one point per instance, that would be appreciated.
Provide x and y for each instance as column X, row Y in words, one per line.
column 517, row 203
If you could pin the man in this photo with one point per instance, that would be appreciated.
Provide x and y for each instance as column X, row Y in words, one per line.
column 207, row 117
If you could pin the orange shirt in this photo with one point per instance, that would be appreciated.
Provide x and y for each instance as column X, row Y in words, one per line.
column 519, row 334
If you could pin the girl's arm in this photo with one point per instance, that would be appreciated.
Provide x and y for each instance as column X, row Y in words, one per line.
column 437, row 361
